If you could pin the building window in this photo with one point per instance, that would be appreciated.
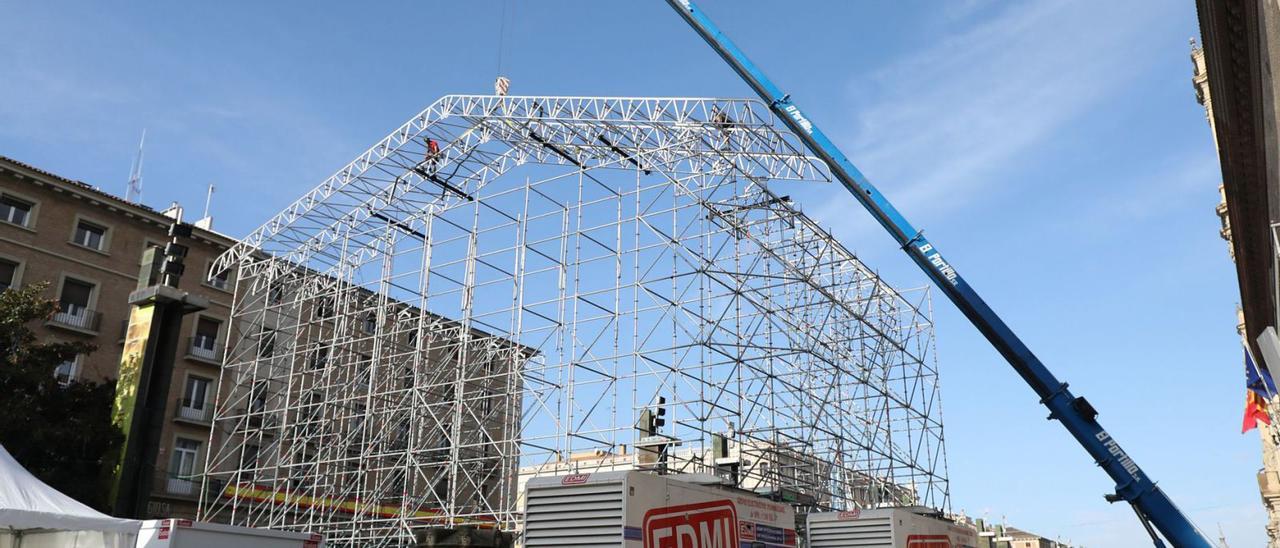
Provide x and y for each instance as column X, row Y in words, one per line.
column 358, row 414
column 320, row 358
column 249, row 460
column 75, row 296
column 397, row 477
column 258, row 397
column 441, row 488
column 220, row 280
column 324, row 308
column 195, row 400
column 370, row 322
column 66, row 371
column 205, row 343
column 8, row 274
column 267, row 343
column 401, row 438
column 182, row 469
column 275, row 293
column 314, row 401
column 15, row 211
column 90, row 235
column 299, row 481
column 73, row 305
column 363, row 371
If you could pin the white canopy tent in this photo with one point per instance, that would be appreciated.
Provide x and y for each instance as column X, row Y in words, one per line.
column 34, row 515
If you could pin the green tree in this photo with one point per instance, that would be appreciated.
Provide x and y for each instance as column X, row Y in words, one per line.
column 62, row 434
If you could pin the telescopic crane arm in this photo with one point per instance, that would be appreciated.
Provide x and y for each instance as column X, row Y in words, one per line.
column 1153, row 507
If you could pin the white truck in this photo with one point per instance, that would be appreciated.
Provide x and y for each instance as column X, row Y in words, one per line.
column 902, row 527
column 640, row 509
column 185, row 533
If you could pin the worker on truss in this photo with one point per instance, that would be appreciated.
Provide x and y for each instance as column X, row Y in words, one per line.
column 432, row 159
column 721, row 121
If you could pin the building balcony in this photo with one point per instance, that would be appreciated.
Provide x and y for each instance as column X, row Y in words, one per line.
column 1269, row 484
column 177, row 485
column 77, row 319
column 187, row 411
column 255, row 422
column 204, row 349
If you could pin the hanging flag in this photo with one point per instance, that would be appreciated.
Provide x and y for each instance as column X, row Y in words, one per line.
column 1258, row 388
column 1257, row 379
column 1255, row 411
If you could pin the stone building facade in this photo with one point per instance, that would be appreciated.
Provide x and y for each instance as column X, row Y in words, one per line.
column 1269, row 474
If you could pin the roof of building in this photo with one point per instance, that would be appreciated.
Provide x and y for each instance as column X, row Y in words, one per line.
column 1019, row 533
column 137, row 208
column 1238, row 57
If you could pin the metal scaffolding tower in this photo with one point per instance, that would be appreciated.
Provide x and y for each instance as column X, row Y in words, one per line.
column 507, row 286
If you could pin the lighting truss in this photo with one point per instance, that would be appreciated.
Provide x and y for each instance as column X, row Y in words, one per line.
column 507, row 286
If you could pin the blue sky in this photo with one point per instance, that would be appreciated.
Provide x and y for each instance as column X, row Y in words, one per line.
column 1054, row 150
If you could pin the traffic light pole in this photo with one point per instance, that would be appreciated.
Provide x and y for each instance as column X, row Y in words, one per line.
column 146, row 370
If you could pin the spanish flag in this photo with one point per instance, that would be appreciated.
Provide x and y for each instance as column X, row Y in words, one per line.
column 1255, row 410
column 1256, row 389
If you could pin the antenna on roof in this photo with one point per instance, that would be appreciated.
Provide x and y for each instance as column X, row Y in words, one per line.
column 208, row 199
column 206, row 222
column 134, row 191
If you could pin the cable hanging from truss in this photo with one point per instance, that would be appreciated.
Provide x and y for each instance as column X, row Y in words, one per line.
column 502, row 84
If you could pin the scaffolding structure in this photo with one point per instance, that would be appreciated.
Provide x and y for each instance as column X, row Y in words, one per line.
column 505, row 284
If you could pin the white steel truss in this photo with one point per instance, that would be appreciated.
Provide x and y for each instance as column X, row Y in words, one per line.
column 508, row 286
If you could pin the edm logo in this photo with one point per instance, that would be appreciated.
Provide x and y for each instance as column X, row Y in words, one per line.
column 575, row 479
column 702, row 525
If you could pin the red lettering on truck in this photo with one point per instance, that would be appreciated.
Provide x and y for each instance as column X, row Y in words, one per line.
column 702, row 525
column 928, row 541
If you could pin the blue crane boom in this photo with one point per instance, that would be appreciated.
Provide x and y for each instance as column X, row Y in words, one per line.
column 1153, row 507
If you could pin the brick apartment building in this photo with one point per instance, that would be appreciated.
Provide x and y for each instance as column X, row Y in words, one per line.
column 87, row 245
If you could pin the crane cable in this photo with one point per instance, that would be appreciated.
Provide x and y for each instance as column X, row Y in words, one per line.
column 502, row 84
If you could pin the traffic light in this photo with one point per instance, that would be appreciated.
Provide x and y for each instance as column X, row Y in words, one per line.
column 174, row 253
column 163, row 265
column 659, row 415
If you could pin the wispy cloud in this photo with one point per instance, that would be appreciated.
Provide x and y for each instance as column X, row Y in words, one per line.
column 251, row 136
column 32, row 96
column 938, row 124
column 1174, row 183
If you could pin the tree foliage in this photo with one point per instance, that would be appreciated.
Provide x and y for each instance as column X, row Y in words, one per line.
column 62, row 434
